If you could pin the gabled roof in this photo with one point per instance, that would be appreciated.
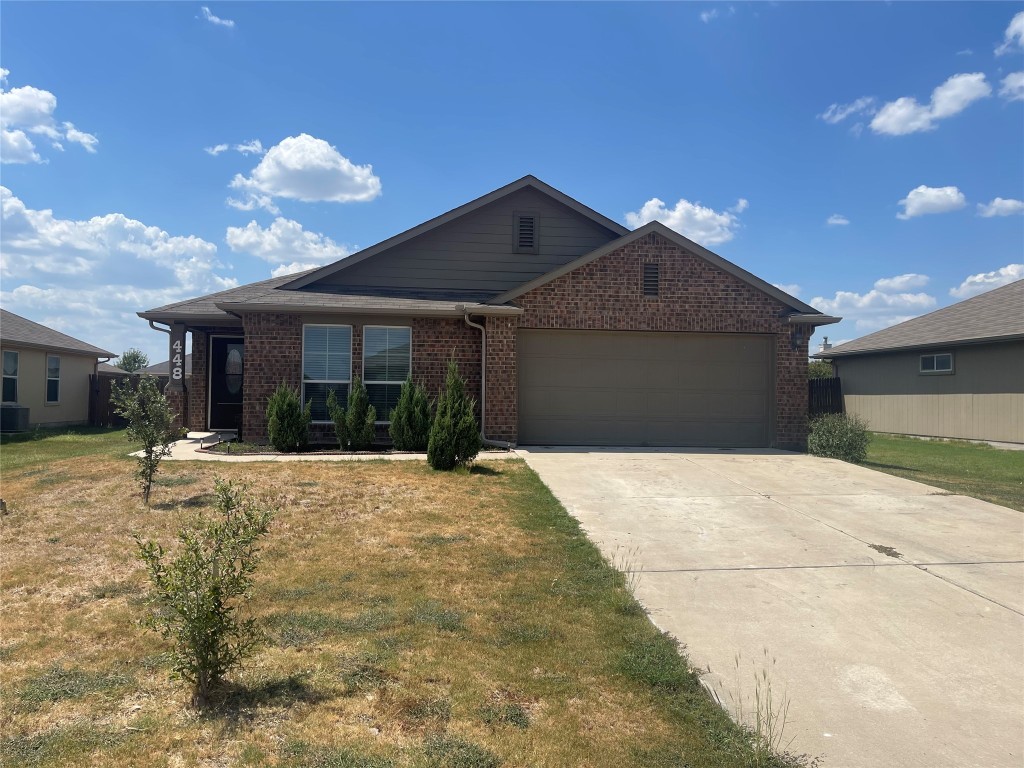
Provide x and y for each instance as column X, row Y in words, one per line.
column 657, row 227
column 164, row 368
column 444, row 218
column 22, row 332
column 204, row 308
column 997, row 315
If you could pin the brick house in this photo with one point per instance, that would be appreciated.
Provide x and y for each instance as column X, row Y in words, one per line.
column 569, row 329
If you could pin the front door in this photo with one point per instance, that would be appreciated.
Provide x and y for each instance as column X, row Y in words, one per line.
column 226, row 361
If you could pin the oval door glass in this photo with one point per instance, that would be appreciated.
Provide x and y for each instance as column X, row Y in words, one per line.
column 233, row 370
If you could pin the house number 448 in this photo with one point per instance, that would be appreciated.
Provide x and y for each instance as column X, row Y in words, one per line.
column 176, row 360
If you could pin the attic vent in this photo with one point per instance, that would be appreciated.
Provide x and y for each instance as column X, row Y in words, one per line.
column 650, row 280
column 526, row 233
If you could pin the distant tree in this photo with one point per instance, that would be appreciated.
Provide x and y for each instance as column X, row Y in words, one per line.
column 820, row 369
column 132, row 360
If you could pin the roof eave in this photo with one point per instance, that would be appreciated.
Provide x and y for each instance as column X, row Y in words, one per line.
column 833, row 354
column 804, row 318
column 458, row 310
column 96, row 352
column 190, row 319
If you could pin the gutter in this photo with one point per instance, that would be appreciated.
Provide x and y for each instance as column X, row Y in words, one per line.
column 483, row 385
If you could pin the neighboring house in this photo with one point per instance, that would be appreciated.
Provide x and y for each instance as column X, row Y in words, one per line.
column 106, row 369
column 46, row 371
column 569, row 329
column 957, row 372
column 164, row 368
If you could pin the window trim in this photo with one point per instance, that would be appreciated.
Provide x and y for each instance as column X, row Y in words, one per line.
column 303, row 381
column 17, row 374
column 936, row 372
column 47, row 380
column 363, row 355
column 525, row 214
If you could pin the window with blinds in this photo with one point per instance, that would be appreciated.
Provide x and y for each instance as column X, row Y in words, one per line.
column 326, row 366
column 526, row 233
column 10, row 394
column 52, row 379
column 387, row 363
column 650, row 280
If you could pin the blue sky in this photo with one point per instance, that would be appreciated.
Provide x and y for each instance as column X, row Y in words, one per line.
column 157, row 151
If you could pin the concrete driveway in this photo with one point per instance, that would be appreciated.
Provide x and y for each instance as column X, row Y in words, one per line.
column 895, row 611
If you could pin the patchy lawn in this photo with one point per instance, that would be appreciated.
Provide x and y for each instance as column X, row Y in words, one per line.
column 968, row 469
column 413, row 618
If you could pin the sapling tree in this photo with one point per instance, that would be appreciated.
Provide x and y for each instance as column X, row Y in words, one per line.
column 454, row 435
column 410, row 419
column 150, row 422
column 360, row 418
column 198, row 590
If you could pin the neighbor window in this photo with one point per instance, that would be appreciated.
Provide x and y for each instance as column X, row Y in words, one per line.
column 387, row 361
column 526, row 232
column 10, row 377
column 52, row 379
column 650, row 280
column 942, row 363
column 326, row 366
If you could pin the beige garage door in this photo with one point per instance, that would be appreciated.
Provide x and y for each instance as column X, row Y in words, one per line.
column 609, row 388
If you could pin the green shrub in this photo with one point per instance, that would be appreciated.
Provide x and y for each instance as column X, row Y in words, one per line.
column 196, row 595
column 820, row 369
column 839, row 436
column 287, row 420
column 150, row 422
column 410, row 420
column 454, row 435
column 337, row 414
column 360, row 418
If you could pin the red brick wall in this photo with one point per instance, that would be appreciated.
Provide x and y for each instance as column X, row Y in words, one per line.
column 199, row 382
column 434, row 341
column 693, row 296
column 273, row 355
column 502, row 379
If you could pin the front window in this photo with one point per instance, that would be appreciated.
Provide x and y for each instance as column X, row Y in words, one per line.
column 52, row 379
column 387, row 361
column 941, row 363
column 326, row 366
column 10, row 394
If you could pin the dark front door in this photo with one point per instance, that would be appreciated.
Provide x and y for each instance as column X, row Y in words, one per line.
column 226, row 360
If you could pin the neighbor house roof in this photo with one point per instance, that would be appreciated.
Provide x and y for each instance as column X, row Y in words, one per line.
column 305, row 292
column 164, row 368
column 110, row 369
column 19, row 331
column 997, row 315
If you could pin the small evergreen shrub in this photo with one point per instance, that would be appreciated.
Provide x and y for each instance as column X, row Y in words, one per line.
column 410, row 420
column 839, row 436
column 287, row 421
column 150, row 421
column 820, row 369
column 360, row 416
column 454, row 435
column 337, row 414
column 196, row 594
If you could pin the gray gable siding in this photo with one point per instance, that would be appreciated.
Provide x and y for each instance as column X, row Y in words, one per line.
column 476, row 253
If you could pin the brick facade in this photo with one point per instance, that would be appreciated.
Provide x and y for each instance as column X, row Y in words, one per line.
column 199, row 382
column 694, row 296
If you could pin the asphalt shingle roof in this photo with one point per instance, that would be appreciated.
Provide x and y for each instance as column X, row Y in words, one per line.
column 994, row 315
column 15, row 329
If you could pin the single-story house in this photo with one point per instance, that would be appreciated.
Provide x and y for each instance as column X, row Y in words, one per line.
column 164, row 368
column 957, row 372
column 46, row 371
column 569, row 328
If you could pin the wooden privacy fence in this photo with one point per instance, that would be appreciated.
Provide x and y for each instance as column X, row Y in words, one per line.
column 101, row 409
column 824, row 396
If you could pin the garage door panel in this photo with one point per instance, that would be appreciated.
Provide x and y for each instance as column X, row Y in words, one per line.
column 637, row 388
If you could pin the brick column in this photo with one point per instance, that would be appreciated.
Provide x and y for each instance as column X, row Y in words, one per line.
column 273, row 356
column 177, row 399
column 198, row 384
column 790, row 393
column 502, row 381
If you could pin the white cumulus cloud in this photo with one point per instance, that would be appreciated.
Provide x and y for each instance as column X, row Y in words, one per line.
column 925, row 200
column 1013, row 37
column 986, row 281
column 97, row 273
column 837, row 220
column 791, row 288
column 308, row 169
column 880, row 307
column 208, row 15
column 836, row 113
column 29, row 110
column 906, row 115
column 1012, row 87
column 699, row 223
column 707, row 16
column 1000, row 206
column 901, row 282
column 252, row 147
column 285, row 240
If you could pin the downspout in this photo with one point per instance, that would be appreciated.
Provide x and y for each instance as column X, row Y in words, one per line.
column 483, row 386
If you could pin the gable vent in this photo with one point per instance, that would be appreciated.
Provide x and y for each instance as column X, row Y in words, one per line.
column 650, row 280
column 526, row 233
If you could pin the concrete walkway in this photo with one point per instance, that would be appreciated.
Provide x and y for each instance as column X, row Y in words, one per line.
column 191, row 449
column 895, row 611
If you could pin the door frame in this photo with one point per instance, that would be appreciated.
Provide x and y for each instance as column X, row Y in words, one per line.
column 209, row 378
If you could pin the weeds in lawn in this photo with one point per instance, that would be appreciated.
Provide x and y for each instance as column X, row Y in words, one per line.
column 626, row 560
column 505, row 713
column 453, row 752
column 301, row 754
column 58, row 684
column 432, row 612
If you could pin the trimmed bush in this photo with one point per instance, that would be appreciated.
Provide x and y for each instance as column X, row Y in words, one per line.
column 150, row 422
column 839, row 436
column 454, row 435
column 360, row 416
column 337, row 414
column 410, row 420
column 287, row 420
column 196, row 593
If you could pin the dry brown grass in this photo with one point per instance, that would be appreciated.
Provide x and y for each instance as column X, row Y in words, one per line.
column 401, row 605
